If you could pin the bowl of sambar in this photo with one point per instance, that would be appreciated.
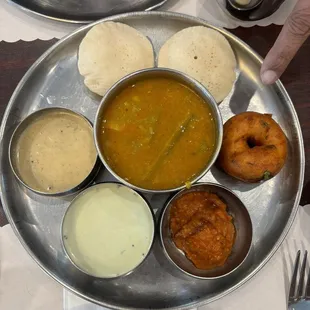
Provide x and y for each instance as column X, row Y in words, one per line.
column 158, row 130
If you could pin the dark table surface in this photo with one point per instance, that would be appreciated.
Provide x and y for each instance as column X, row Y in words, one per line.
column 16, row 58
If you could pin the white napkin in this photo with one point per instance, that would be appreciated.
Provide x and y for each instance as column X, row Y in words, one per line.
column 16, row 24
column 23, row 285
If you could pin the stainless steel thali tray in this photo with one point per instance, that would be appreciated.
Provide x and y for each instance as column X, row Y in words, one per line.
column 85, row 11
column 54, row 81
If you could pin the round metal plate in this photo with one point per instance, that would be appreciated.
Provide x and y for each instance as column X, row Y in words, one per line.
column 54, row 81
column 85, row 11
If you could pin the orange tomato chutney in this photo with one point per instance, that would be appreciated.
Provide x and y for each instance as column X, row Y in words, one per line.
column 202, row 229
column 157, row 134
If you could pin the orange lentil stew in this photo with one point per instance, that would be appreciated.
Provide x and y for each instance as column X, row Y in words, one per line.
column 157, row 134
column 202, row 229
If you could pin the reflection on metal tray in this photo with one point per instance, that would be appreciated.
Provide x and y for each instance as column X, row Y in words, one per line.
column 85, row 11
column 54, row 81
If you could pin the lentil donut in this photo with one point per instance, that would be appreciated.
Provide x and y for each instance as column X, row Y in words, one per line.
column 254, row 147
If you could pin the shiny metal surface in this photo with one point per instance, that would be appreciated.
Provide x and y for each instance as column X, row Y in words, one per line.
column 300, row 285
column 170, row 74
column 85, row 11
column 54, row 80
column 20, row 129
column 243, row 227
column 255, row 10
column 150, row 246
column 244, row 7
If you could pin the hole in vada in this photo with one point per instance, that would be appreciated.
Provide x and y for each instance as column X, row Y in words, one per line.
column 251, row 142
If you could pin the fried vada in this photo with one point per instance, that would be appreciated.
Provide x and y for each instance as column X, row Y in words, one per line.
column 254, row 147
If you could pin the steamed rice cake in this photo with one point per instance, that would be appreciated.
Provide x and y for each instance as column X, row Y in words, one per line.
column 204, row 54
column 110, row 51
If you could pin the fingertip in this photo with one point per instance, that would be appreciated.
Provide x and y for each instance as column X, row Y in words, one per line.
column 269, row 77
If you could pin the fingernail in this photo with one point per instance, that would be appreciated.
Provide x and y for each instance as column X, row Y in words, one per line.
column 269, row 77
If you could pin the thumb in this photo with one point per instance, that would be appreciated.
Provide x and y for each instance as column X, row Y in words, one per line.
column 294, row 33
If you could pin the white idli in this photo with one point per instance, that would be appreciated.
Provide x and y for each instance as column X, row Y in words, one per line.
column 109, row 51
column 204, row 54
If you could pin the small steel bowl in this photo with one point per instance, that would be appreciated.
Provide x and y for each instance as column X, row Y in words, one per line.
column 243, row 239
column 14, row 139
column 164, row 73
column 72, row 204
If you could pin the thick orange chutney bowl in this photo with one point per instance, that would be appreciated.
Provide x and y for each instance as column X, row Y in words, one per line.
column 206, row 231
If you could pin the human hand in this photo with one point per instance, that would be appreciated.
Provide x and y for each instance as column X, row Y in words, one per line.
column 293, row 34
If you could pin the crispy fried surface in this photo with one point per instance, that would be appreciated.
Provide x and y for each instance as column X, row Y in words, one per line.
column 202, row 228
column 254, row 147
